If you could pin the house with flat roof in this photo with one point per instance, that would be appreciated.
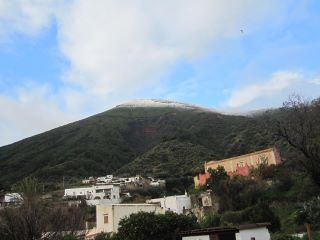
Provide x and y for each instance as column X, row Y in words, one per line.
column 179, row 204
column 108, row 216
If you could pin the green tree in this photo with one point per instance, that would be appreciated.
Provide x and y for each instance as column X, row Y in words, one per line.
column 146, row 226
column 216, row 177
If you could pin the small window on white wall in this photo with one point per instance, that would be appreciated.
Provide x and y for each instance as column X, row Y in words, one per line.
column 105, row 218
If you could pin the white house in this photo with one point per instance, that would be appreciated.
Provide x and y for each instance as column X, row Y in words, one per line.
column 154, row 183
column 85, row 192
column 107, row 194
column 255, row 231
column 104, row 179
column 109, row 216
column 178, row 204
column 10, row 198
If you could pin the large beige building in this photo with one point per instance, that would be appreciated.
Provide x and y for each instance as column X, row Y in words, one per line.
column 240, row 165
column 108, row 216
column 270, row 156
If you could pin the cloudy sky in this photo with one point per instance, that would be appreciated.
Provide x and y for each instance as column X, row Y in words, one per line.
column 64, row 60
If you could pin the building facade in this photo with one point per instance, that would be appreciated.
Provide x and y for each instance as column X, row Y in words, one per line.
column 12, row 198
column 109, row 216
column 240, row 165
column 253, row 232
column 179, row 204
column 109, row 193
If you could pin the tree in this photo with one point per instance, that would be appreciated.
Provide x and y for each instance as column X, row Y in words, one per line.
column 234, row 193
column 146, row 226
column 299, row 126
column 216, row 176
column 309, row 215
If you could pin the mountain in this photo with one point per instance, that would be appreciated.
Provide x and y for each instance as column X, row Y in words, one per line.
column 145, row 136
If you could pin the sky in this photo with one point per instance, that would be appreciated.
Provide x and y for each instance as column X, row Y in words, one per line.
column 64, row 60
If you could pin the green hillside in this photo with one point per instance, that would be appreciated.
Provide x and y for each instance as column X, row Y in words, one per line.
column 148, row 140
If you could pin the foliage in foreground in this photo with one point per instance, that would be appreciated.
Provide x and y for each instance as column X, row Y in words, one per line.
column 146, row 226
column 36, row 219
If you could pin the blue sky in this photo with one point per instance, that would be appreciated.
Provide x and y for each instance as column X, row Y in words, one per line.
column 61, row 60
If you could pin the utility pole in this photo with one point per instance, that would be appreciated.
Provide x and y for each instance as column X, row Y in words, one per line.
column 62, row 181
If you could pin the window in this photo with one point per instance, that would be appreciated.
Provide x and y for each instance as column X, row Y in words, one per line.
column 105, row 218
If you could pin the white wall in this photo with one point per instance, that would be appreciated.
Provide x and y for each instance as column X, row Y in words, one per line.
column 95, row 202
column 183, row 202
column 111, row 190
column 91, row 192
column 74, row 192
column 12, row 198
column 258, row 233
column 204, row 237
column 173, row 203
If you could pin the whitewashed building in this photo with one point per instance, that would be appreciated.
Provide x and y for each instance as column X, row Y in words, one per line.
column 109, row 216
column 178, row 204
column 104, row 179
column 257, row 231
column 11, row 198
column 85, row 192
column 98, row 194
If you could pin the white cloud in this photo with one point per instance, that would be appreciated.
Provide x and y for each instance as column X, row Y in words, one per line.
column 30, row 112
column 278, row 82
column 122, row 46
column 27, row 16
column 316, row 80
column 118, row 47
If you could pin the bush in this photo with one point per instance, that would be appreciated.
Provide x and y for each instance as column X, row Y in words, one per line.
column 146, row 226
column 210, row 220
column 283, row 236
column 258, row 213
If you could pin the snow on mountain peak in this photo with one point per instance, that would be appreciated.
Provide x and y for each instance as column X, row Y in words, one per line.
column 160, row 103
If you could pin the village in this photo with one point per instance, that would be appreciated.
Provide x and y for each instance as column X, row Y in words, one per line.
column 110, row 197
